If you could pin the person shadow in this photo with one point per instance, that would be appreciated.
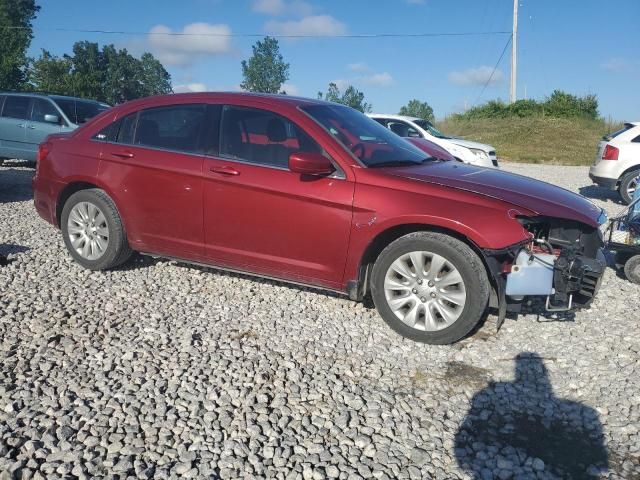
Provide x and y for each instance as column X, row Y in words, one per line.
column 521, row 430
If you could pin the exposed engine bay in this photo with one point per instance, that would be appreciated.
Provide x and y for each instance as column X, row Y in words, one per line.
column 562, row 264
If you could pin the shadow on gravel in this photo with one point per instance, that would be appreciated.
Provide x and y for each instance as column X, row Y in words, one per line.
column 600, row 193
column 15, row 185
column 517, row 429
column 7, row 249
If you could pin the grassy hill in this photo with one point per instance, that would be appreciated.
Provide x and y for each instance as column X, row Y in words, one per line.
column 565, row 141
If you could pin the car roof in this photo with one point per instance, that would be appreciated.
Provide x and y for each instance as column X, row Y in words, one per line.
column 393, row 117
column 230, row 96
column 49, row 95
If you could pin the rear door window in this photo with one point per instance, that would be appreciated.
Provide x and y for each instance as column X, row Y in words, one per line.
column 1, row 102
column 16, row 107
column 42, row 107
column 127, row 129
column 176, row 127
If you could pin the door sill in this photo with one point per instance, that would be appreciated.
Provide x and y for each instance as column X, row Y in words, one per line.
column 246, row 272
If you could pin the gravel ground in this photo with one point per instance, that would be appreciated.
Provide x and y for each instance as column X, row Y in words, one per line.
column 160, row 370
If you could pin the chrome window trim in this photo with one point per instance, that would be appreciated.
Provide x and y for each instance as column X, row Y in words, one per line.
column 158, row 149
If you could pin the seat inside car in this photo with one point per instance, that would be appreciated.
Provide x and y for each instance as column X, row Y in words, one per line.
column 277, row 153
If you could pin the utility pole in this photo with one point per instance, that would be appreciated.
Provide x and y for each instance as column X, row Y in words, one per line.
column 514, row 53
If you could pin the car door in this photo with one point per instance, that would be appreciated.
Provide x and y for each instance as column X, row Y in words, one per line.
column 261, row 217
column 153, row 166
column 38, row 128
column 13, row 127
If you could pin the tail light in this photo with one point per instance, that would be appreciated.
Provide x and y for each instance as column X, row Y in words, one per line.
column 43, row 150
column 610, row 153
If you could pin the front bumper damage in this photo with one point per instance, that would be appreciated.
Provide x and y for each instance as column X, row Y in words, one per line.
column 560, row 267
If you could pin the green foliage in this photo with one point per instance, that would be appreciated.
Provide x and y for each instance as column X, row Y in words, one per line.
column 416, row 108
column 535, row 139
column 266, row 71
column 559, row 105
column 352, row 97
column 109, row 75
column 16, row 34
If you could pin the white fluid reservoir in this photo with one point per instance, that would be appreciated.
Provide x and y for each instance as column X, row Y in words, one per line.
column 531, row 274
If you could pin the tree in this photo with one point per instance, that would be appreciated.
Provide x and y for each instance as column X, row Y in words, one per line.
column 51, row 74
column 153, row 77
column 108, row 75
column 416, row 108
column 16, row 33
column 351, row 97
column 266, row 71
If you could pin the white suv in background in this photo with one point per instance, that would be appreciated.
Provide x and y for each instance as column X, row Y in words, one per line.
column 617, row 164
column 464, row 150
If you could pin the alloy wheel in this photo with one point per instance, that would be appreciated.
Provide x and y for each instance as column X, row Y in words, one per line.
column 88, row 230
column 425, row 291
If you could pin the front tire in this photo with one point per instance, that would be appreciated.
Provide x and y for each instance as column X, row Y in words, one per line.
column 93, row 231
column 628, row 185
column 430, row 287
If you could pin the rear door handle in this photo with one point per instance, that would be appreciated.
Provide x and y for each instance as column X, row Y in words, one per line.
column 31, row 127
column 123, row 154
column 224, row 170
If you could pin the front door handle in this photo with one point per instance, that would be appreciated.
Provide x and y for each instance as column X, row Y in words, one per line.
column 123, row 154
column 224, row 170
column 21, row 125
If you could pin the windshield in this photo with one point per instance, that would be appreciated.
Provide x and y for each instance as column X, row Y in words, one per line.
column 79, row 111
column 370, row 142
column 428, row 126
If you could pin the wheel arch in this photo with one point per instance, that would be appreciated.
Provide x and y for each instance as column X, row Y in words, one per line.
column 632, row 168
column 384, row 238
column 66, row 193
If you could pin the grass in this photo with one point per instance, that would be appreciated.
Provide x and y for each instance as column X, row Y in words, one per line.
column 561, row 141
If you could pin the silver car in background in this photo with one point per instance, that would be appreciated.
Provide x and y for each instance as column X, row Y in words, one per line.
column 26, row 119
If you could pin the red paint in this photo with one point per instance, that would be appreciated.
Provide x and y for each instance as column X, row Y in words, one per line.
column 272, row 221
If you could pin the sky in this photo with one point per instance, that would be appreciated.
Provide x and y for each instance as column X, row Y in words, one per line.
column 583, row 47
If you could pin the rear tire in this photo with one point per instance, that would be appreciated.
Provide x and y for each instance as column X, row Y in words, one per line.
column 441, row 301
column 93, row 231
column 628, row 184
column 632, row 269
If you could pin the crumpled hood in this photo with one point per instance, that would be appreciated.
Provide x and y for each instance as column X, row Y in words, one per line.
column 539, row 197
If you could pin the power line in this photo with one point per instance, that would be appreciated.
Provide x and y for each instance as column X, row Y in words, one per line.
column 245, row 35
column 504, row 50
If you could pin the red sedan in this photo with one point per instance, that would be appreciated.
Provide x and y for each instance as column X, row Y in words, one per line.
column 318, row 194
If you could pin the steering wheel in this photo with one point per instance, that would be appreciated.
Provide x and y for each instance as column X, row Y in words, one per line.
column 358, row 150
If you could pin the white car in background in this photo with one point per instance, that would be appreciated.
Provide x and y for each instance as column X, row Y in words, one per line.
column 464, row 150
column 617, row 165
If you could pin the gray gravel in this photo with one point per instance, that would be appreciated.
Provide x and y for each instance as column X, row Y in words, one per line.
column 160, row 370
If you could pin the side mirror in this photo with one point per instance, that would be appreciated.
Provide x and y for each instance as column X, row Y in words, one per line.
column 307, row 163
column 51, row 118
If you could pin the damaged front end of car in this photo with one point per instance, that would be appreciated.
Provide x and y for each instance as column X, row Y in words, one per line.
column 560, row 266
